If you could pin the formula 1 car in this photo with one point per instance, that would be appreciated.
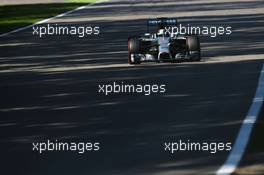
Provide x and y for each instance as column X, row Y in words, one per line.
column 163, row 46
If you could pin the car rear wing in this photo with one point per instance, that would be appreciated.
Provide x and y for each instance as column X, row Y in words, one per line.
column 161, row 22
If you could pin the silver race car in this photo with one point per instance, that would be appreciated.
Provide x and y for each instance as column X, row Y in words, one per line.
column 163, row 45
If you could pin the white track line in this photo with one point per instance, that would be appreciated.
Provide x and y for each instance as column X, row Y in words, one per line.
column 245, row 131
column 46, row 20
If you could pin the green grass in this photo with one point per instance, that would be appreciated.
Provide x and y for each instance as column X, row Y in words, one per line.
column 81, row 1
column 16, row 16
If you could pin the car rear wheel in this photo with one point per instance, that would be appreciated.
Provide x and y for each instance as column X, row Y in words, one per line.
column 133, row 48
column 193, row 45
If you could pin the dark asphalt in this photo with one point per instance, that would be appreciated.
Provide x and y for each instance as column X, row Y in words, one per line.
column 49, row 91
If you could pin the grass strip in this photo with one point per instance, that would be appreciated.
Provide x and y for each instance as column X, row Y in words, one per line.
column 16, row 16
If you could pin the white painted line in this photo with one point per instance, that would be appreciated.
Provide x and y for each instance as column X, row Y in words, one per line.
column 245, row 130
column 46, row 20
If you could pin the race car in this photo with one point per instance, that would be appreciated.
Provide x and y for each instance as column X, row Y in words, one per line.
column 163, row 46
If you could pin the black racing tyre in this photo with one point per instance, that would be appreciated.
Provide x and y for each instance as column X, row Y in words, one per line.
column 133, row 48
column 193, row 44
column 134, row 45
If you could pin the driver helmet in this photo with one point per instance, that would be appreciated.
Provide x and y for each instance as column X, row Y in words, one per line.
column 161, row 32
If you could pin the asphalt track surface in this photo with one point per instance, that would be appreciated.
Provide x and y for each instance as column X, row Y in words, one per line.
column 49, row 91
